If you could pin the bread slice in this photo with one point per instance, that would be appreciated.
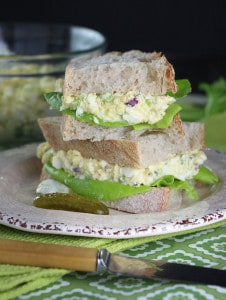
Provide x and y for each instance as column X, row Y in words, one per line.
column 147, row 73
column 136, row 153
column 73, row 129
column 156, row 200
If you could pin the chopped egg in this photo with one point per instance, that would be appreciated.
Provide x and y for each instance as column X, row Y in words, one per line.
column 131, row 107
column 181, row 166
column 49, row 186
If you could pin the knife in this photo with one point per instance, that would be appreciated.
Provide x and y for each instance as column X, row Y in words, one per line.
column 100, row 261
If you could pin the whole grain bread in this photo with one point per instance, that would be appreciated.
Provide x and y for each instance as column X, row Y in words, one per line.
column 72, row 129
column 120, row 72
column 157, row 199
column 147, row 148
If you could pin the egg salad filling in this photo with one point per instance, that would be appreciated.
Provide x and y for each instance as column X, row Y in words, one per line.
column 181, row 166
column 141, row 111
column 131, row 107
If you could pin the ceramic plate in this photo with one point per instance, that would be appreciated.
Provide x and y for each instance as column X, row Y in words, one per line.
column 19, row 175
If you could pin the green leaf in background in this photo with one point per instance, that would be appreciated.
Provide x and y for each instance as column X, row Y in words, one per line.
column 216, row 96
column 191, row 112
column 183, row 89
column 215, row 131
column 212, row 113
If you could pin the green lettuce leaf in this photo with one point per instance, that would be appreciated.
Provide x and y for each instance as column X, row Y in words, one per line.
column 183, row 89
column 172, row 182
column 94, row 189
column 54, row 99
column 206, row 175
column 165, row 122
column 108, row 191
column 89, row 119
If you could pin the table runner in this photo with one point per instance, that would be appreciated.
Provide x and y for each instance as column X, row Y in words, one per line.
column 19, row 280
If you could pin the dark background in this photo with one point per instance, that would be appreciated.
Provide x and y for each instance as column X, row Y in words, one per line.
column 192, row 34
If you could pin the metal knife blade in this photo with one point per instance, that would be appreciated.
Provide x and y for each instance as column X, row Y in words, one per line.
column 100, row 261
column 145, row 268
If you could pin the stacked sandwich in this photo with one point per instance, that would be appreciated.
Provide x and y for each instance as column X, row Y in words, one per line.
column 120, row 139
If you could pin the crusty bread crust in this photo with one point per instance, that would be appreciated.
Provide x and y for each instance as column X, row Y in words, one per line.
column 157, row 199
column 147, row 73
column 141, row 151
column 72, row 129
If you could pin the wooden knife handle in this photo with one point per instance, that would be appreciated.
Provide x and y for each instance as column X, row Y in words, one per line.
column 48, row 255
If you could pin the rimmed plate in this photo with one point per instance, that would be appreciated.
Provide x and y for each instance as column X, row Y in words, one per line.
column 19, row 175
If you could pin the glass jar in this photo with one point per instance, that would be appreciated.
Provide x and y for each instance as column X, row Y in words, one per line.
column 33, row 58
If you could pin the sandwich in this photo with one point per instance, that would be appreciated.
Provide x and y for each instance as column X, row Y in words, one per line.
column 116, row 90
column 120, row 139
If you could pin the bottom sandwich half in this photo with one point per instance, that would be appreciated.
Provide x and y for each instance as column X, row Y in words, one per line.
column 156, row 186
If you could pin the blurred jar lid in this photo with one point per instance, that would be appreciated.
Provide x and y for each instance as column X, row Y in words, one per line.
column 40, row 39
column 49, row 44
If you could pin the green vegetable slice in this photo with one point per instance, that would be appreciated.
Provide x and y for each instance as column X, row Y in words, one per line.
column 70, row 202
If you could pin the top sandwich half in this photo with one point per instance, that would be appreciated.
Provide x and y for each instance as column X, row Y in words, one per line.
column 117, row 89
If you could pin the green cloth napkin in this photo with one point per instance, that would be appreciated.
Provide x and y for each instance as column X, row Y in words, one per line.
column 19, row 280
column 203, row 248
